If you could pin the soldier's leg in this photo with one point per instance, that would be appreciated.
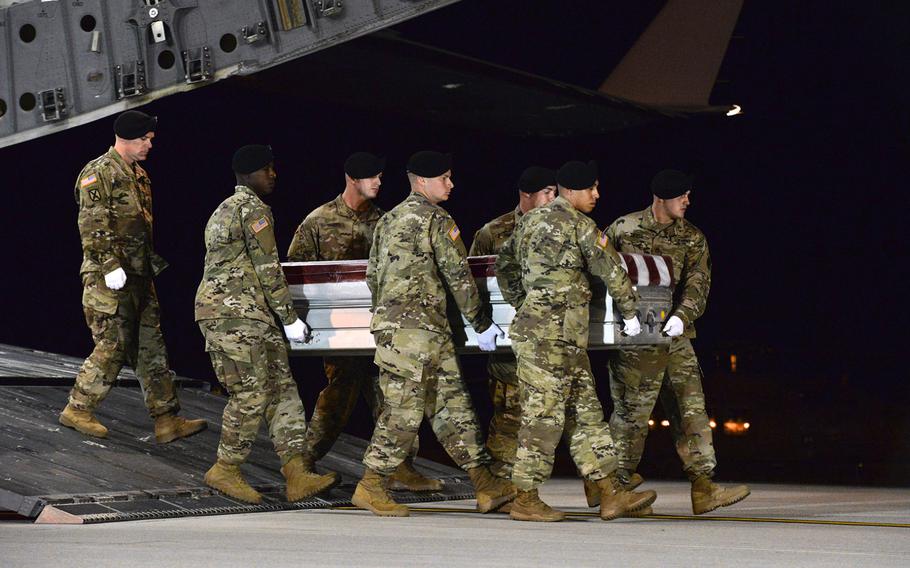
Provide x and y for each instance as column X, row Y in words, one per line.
column 635, row 379
column 111, row 318
column 152, row 367
column 284, row 412
column 502, row 437
column 334, row 405
column 543, row 399
column 372, row 394
column 588, row 435
column 401, row 359
column 683, row 401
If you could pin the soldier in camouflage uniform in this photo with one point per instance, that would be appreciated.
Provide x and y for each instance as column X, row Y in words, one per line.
column 114, row 195
column 543, row 271
column 342, row 229
column 242, row 293
column 536, row 187
column 418, row 256
column 636, row 376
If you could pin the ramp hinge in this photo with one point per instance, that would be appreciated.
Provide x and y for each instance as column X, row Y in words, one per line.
column 197, row 64
column 53, row 104
column 328, row 8
column 252, row 34
column 129, row 79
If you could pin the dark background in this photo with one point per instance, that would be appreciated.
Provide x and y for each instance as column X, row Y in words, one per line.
column 802, row 199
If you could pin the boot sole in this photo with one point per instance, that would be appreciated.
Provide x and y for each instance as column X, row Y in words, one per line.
column 69, row 424
column 175, row 436
column 233, row 496
column 365, row 505
column 516, row 516
column 733, row 501
column 318, row 489
column 496, row 503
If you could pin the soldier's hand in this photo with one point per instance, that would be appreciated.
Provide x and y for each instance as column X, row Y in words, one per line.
column 674, row 327
column 298, row 332
column 116, row 279
column 631, row 327
column 487, row 340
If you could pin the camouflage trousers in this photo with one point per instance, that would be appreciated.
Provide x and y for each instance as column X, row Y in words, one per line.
column 502, row 437
column 558, row 399
column 126, row 329
column 347, row 377
column 637, row 377
column 419, row 376
column 250, row 359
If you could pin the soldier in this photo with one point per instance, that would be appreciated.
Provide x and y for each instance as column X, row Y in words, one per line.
column 418, row 256
column 636, row 376
column 542, row 271
column 342, row 229
column 242, row 293
column 536, row 187
column 114, row 195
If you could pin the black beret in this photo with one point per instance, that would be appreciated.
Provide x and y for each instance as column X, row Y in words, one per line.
column 134, row 124
column 362, row 165
column 535, row 178
column 577, row 175
column 429, row 164
column 670, row 184
column 249, row 159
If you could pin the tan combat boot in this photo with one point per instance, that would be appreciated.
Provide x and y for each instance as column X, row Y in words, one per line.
column 371, row 495
column 407, row 478
column 707, row 495
column 302, row 482
column 528, row 507
column 227, row 479
column 592, row 491
column 490, row 491
column 617, row 502
column 82, row 421
column 169, row 427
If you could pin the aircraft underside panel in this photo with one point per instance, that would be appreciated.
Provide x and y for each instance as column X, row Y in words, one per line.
column 67, row 62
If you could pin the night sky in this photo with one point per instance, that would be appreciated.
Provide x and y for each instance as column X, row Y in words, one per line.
column 802, row 198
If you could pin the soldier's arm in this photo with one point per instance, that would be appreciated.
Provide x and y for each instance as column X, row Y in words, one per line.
column 452, row 261
column 613, row 233
column 372, row 264
column 304, row 244
column 482, row 243
column 508, row 274
column 695, row 282
column 603, row 262
column 260, row 245
column 96, row 219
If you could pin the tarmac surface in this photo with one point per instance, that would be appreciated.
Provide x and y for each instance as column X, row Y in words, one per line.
column 779, row 525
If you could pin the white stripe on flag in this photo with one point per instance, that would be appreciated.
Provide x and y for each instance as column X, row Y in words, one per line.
column 663, row 270
column 644, row 276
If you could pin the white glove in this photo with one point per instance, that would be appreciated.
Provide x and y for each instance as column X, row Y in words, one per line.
column 116, row 279
column 298, row 332
column 674, row 327
column 632, row 327
column 487, row 339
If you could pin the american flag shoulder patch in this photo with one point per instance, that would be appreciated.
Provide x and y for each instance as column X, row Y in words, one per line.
column 88, row 180
column 603, row 240
column 260, row 224
column 454, row 232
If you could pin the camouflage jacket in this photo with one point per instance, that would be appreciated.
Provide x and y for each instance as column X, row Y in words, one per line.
column 543, row 271
column 334, row 231
column 492, row 236
column 242, row 277
column 115, row 217
column 417, row 256
column 685, row 244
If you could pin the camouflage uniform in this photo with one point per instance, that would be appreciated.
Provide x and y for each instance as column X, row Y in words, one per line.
column 115, row 225
column 543, row 271
column 636, row 376
column 242, row 291
column 502, row 437
column 417, row 256
column 334, row 231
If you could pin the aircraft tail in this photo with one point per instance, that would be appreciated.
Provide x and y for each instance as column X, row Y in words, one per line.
column 675, row 62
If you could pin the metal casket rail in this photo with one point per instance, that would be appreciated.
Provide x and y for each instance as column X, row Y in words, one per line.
column 334, row 299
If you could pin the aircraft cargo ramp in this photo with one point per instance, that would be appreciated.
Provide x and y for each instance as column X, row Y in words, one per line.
column 50, row 473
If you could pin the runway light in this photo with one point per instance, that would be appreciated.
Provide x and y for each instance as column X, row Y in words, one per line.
column 734, row 110
column 746, row 425
column 651, row 422
column 733, row 360
column 735, row 427
column 712, row 423
column 664, row 423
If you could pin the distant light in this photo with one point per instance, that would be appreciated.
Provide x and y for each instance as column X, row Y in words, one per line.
column 734, row 110
column 735, row 427
column 733, row 360
column 664, row 423
column 452, row 85
column 650, row 422
column 712, row 424
column 746, row 425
